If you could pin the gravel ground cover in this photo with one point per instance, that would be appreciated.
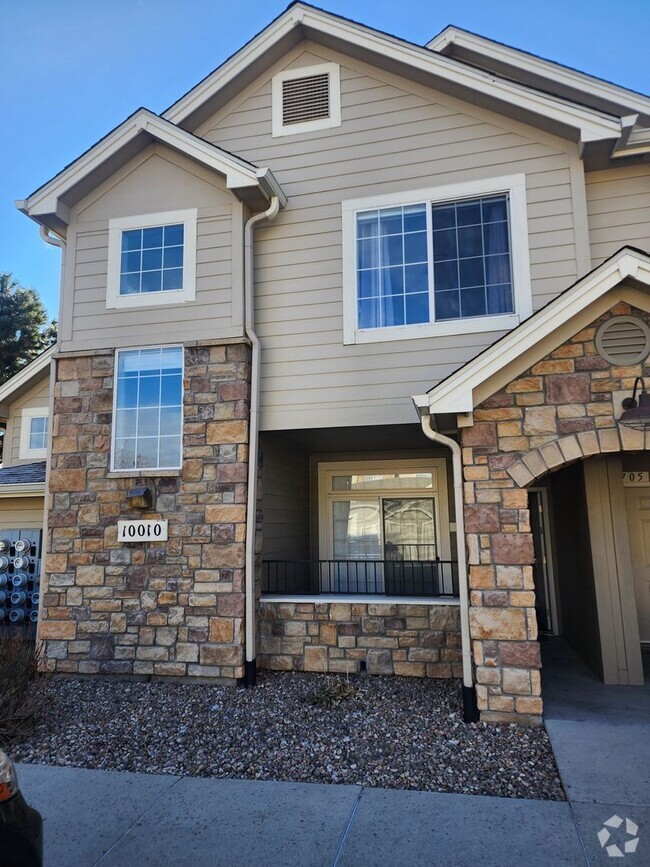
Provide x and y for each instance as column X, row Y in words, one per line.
column 403, row 733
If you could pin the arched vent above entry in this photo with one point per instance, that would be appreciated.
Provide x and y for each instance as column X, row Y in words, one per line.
column 623, row 340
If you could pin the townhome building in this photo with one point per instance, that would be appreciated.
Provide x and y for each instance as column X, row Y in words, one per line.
column 344, row 339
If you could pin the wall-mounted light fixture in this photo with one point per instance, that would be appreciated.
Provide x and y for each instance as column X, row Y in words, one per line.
column 636, row 413
column 140, row 498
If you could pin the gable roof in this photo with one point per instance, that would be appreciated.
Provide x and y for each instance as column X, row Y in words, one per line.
column 50, row 204
column 539, row 72
column 25, row 378
column 302, row 21
column 458, row 392
column 556, row 79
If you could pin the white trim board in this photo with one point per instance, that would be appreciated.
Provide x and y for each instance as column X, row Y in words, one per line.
column 239, row 173
column 24, row 376
column 545, row 69
column 456, row 393
column 515, row 187
column 590, row 124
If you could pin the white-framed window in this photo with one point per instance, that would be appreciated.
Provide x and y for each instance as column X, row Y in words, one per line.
column 34, row 429
column 306, row 99
column 152, row 259
column 439, row 261
column 148, row 409
column 382, row 524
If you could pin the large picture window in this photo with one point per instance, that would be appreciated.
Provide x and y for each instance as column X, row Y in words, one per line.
column 148, row 411
column 439, row 262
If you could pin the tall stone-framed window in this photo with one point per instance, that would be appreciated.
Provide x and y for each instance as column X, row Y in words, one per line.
column 148, row 409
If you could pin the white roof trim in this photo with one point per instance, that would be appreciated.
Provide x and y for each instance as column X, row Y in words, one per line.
column 32, row 489
column 539, row 66
column 25, row 374
column 238, row 173
column 593, row 125
column 456, row 393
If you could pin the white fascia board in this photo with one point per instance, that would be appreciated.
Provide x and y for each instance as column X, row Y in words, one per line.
column 27, row 373
column 456, row 394
column 539, row 66
column 238, row 172
column 593, row 125
column 34, row 489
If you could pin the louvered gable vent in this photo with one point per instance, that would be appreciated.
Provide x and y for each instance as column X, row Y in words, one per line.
column 623, row 340
column 306, row 98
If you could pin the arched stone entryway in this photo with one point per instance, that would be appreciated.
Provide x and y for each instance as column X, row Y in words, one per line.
column 561, row 410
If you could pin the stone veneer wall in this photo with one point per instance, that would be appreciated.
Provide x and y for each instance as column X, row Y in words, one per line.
column 335, row 637
column 159, row 608
column 559, row 411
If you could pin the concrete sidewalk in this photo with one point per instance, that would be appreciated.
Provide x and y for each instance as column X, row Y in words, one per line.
column 117, row 819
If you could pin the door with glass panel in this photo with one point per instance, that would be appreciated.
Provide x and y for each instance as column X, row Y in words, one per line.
column 382, row 533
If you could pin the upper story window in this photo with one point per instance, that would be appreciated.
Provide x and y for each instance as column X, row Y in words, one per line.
column 444, row 261
column 152, row 259
column 148, row 408
column 33, row 433
column 306, row 99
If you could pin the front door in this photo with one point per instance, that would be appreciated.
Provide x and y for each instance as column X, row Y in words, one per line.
column 543, row 564
column 638, row 517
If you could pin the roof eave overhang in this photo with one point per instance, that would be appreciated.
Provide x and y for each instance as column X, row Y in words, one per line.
column 571, row 121
column 456, row 394
column 50, row 204
column 35, row 489
column 23, row 380
column 537, row 71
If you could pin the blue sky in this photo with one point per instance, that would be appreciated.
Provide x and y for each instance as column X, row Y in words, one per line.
column 72, row 70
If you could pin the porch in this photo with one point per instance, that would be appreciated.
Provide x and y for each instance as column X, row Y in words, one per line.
column 359, row 569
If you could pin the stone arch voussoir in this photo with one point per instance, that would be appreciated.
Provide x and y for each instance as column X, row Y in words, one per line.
column 565, row 450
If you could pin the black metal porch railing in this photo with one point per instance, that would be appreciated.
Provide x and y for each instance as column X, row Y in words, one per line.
column 430, row 578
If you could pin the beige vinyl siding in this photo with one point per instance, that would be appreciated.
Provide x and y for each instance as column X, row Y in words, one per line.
column 618, row 208
column 395, row 136
column 21, row 513
column 37, row 396
column 154, row 182
column 285, row 502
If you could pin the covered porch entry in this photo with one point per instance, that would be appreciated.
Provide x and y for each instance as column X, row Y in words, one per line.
column 358, row 553
column 591, row 535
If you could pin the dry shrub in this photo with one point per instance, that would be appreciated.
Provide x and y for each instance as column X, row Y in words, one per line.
column 22, row 685
column 334, row 691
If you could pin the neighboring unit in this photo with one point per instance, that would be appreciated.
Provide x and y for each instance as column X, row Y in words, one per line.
column 25, row 412
column 257, row 285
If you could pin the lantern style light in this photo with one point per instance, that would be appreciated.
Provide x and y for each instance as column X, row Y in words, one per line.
column 636, row 412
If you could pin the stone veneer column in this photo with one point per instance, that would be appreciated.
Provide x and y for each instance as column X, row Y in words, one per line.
column 158, row 608
column 560, row 410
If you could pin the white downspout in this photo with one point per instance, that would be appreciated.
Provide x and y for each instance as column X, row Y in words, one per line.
column 55, row 241
column 253, row 438
column 469, row 696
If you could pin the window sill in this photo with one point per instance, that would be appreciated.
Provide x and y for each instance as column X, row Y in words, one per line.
column 144, row 474
column 436, row 329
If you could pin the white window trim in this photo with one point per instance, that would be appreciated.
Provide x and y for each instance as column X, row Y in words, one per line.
column 27, row 414
column 144, row 471
column 334, row 118
column 515, row 187
column 116, row 226
column 438, row 493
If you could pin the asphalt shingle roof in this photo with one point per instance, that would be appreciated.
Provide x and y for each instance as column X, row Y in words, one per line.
column 25, row 474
